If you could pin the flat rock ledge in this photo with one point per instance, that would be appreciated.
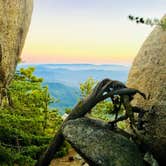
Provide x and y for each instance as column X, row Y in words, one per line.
column 100, row 146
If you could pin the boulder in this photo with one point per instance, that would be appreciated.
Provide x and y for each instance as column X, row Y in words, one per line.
column 15, row 17
column 98, row 145
column 148, row 74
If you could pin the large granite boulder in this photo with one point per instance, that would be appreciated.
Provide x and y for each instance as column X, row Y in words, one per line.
column 148, row 74
column 15, row 17
column 99, row 145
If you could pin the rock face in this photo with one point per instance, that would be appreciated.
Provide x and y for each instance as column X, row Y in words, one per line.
column 148, row 74
column 99, row 145
column 15, row 17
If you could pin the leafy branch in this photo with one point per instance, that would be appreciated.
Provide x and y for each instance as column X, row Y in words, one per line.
column 148, row 21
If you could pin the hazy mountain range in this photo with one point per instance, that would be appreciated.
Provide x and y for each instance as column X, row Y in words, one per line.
column 63, row 79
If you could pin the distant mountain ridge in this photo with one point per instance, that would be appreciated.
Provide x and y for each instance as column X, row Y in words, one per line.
column 63, row 80
column 66, row 96
column 74, row 74
column 83, row 66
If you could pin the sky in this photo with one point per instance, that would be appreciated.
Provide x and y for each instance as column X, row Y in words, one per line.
column 88, row 31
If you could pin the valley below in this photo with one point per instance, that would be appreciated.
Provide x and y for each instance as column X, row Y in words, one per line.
column 63, row 80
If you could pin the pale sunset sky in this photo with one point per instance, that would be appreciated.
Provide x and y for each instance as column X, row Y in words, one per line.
column 88, row 31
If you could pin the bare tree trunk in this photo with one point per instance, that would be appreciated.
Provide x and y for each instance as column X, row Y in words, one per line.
column 78, row 111
column 84, row 106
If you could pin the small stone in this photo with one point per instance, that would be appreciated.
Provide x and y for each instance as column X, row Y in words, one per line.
column 78, row 157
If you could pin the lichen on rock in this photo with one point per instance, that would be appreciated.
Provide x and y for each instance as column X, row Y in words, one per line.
column 99, row 145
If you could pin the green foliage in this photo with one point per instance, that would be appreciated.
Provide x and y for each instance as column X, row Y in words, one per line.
column 68, row 110
column 87, row 86
column 63, row 150
column 27, row 124
column 148, row 21
column 5, row 156
column 67, row 96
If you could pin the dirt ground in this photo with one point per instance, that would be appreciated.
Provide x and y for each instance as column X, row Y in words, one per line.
column 72, row 159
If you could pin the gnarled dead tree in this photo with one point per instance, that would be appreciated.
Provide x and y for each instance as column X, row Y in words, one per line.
column 103, row 90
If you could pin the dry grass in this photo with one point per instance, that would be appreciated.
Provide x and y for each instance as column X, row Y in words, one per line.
column 69, row 160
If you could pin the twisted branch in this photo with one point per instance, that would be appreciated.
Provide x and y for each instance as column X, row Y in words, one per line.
column 103, row 90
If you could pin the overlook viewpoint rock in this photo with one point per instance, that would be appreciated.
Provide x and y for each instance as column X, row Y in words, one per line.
column 15, row 17
column 148, row 74
column 99, row 145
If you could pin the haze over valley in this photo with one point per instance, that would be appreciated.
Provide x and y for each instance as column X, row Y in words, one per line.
column 63, row 80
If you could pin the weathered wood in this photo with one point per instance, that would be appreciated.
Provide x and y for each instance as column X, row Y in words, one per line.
column 78, row 111
column 100, row 92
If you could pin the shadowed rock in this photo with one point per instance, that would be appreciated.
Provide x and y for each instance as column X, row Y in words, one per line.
column 99, row 145
column 148, row 74
column 15, row 17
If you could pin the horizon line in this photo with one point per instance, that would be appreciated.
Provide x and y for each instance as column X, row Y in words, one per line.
column 75, row 63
